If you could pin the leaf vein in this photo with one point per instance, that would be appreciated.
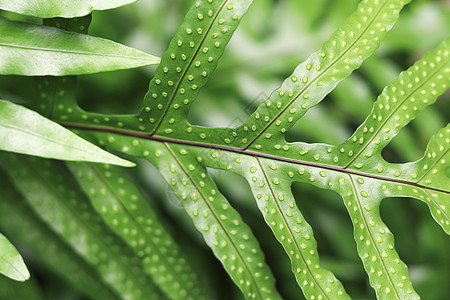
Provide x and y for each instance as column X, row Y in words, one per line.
column 355, row 191
column 317, row 77
column 71, row 51
column 289, row 228
column 217, row 219
column 428, row 78
column 187, row 68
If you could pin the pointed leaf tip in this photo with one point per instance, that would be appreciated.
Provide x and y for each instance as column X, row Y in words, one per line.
column 25, row 131
column 11, row 263
column 36, row 50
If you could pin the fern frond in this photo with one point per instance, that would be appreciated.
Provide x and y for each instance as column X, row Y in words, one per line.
column 129, row 215
column 222, row 227
column 348, row 47
column 18, row 219
column 188, row 63
column 258, row 151
column 351, row 169
column 387, row 273
column 277, row 204
column 430, row 174
column 69, row 213
column 400, row 102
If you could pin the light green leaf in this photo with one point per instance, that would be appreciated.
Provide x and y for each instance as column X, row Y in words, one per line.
column 24, row 131
column 11, row 263
column 60, row 8
column 223, row 229
column 387, row 273
column 311, row 81
column 27, row 49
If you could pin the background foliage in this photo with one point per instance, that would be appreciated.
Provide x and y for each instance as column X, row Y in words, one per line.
column 273, row 38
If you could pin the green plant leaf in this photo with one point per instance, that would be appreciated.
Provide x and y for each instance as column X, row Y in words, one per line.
column 281, row 213
column 10, row 289
column 220, row 224
column 11, row 263
column 127, row 212
column 21, row 128
column 432, row 172
column 60, row 8
column 27, row 49
column 222, row 227
column 18, row 219
column 76, row 222
column 192, row 56
column 348, row 47
column 399, row 104
column 259, row 152
column 124, row 208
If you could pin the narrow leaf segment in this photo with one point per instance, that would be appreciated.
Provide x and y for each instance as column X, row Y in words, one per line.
column 34, row 50
column 186, row 66
column 18, row 219
column 21, row 127
column 60, row 8
column 124, row 208
column 74, row 220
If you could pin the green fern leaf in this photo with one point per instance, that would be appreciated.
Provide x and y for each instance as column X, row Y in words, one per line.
column 413, row 91
column 18, row 219
column 187, row 64
column 126, row 211
column 72, row 218
column 259, row 152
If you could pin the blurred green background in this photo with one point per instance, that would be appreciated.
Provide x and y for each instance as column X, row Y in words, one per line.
column 274, row 37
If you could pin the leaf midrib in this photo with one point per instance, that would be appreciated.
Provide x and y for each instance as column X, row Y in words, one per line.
column 219, row 10
column 258, row 290
column 71, row 51
column 245, row 152
column 355, row 191
column 311, row 274
column 132, row 217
